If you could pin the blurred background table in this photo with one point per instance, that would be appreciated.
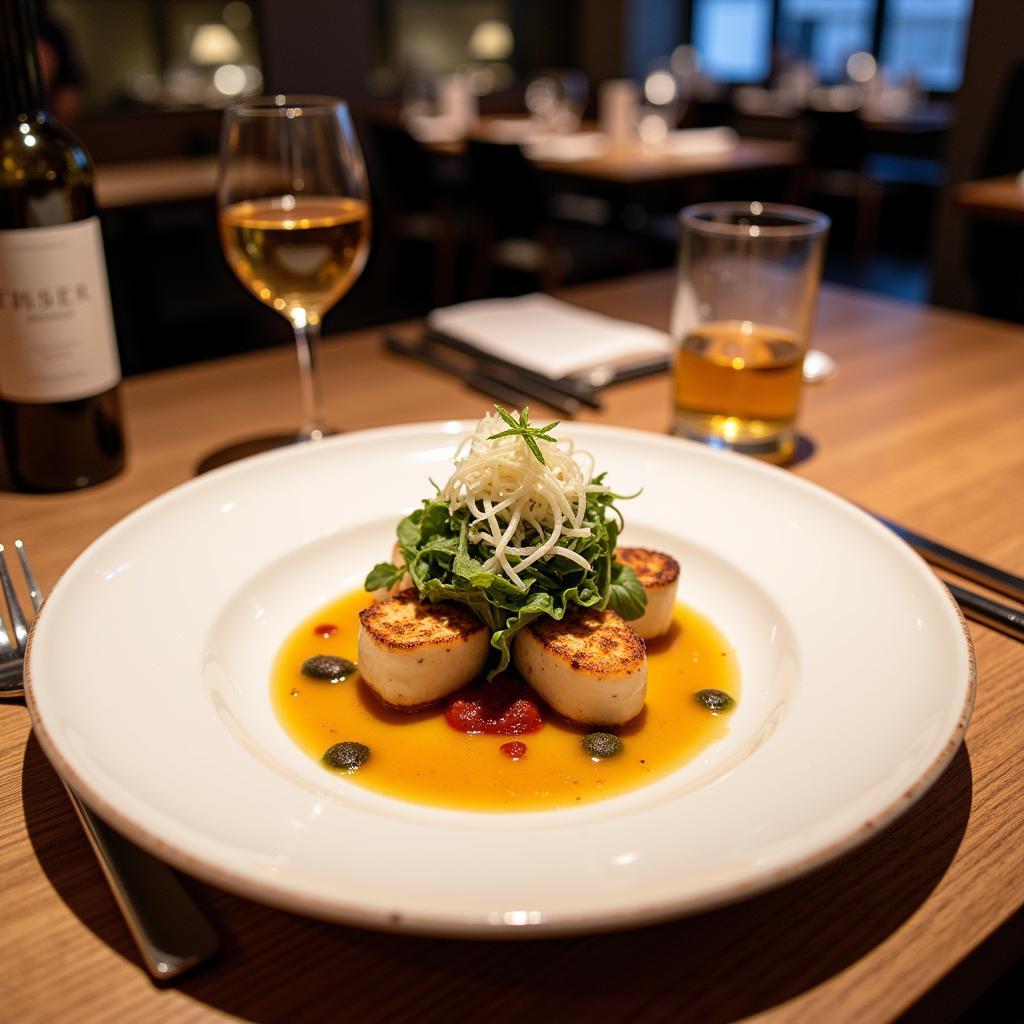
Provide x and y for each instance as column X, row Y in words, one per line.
column 992, row 198
column 922, row 424
column 645, row 164
column 150, row 182
column 638, row 163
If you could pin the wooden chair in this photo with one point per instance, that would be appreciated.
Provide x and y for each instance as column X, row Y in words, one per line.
column 517, row 228
column 414, row 201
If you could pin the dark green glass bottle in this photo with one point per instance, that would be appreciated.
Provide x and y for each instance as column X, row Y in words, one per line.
column 59, row 372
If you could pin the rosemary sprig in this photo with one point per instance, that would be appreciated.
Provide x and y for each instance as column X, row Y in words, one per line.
column 526, row 430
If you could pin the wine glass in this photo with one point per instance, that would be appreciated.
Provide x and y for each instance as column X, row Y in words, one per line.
column 293, row 211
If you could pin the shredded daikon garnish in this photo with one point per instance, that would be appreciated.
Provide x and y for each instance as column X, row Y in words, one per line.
column 524, row 492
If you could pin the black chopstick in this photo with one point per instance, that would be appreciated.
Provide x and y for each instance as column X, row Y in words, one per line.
column 586, row 394
column 502, row 390
column 959, row 563
column 988, row 612
column 977, row 607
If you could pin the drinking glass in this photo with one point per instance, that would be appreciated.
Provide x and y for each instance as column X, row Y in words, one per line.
column 293, row 211
column 558, row 99
column 742, row 317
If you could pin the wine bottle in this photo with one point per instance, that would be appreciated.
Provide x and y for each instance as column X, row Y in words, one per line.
column 59, row 371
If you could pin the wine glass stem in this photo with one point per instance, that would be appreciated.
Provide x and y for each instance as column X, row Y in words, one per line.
column 307, row 342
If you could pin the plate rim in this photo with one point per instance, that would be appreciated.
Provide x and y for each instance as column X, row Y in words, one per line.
column 480, row 924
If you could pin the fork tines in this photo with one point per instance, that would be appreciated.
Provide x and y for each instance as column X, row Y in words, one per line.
column 12, row 644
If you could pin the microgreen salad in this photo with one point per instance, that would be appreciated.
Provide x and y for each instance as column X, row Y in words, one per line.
column 523, row 528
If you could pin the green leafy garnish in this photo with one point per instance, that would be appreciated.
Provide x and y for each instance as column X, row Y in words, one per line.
column 627, row 595
column 526, row 430
column 384, row 575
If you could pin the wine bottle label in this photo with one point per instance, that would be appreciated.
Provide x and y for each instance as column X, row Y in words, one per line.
column 57, row 339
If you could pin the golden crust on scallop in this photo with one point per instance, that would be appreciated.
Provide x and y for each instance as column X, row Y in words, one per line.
column 404, row 621
column 588, row 640
column 654, row 569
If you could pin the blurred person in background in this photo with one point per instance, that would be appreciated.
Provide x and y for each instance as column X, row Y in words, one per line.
column 61, row 71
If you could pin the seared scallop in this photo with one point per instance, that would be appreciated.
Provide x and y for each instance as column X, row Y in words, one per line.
column 383, row 593
column 591, row 667
column 658, row 574
column 412, row 654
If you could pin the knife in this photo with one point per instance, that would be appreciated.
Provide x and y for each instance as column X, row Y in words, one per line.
column 171, row 932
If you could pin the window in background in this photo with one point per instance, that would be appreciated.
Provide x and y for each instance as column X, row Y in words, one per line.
column 826, row 32
column 926, row 39
column 653, row 22
column 733, row 38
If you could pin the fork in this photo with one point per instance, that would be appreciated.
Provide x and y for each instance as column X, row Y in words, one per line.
column 172, row 933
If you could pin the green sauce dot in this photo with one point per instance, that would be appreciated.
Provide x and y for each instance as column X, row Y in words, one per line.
column 347, row 756
column 715, row 701
column 327, row 668
column 600, row 745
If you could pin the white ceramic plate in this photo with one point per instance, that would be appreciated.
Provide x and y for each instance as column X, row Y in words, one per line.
column 149, row 690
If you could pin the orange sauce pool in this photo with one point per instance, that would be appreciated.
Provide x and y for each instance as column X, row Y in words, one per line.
column 419, row 758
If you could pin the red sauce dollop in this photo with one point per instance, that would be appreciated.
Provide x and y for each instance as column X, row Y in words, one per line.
column 325, row 630
column 502, row 707
column 515, row 749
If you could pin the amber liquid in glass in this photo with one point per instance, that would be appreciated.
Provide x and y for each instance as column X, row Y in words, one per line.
column 737, row 385
column 297, row 252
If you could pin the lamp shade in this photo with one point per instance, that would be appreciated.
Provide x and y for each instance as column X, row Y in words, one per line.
column 214, row 44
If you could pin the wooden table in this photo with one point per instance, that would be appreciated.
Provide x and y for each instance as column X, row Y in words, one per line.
column 992, row 198
column 646, row 165
column 923, row 423
column 638, row 164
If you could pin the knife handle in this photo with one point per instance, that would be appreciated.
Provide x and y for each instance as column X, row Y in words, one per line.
column 172, row 933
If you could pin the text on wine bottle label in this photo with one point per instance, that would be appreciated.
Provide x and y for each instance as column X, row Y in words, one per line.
column 57, row 339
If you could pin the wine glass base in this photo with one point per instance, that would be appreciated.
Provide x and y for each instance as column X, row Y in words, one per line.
column 251, row 446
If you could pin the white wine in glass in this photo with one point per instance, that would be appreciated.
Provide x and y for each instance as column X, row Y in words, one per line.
column 294, row 219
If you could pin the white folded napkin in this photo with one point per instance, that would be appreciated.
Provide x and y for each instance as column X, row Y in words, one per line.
column 550, row 337
column 700, row 141
column 566, row 148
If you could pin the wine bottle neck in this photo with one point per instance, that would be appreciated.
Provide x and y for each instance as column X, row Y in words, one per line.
column 21, row 85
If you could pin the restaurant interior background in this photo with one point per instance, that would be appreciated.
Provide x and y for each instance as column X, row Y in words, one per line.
column 893, row 102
